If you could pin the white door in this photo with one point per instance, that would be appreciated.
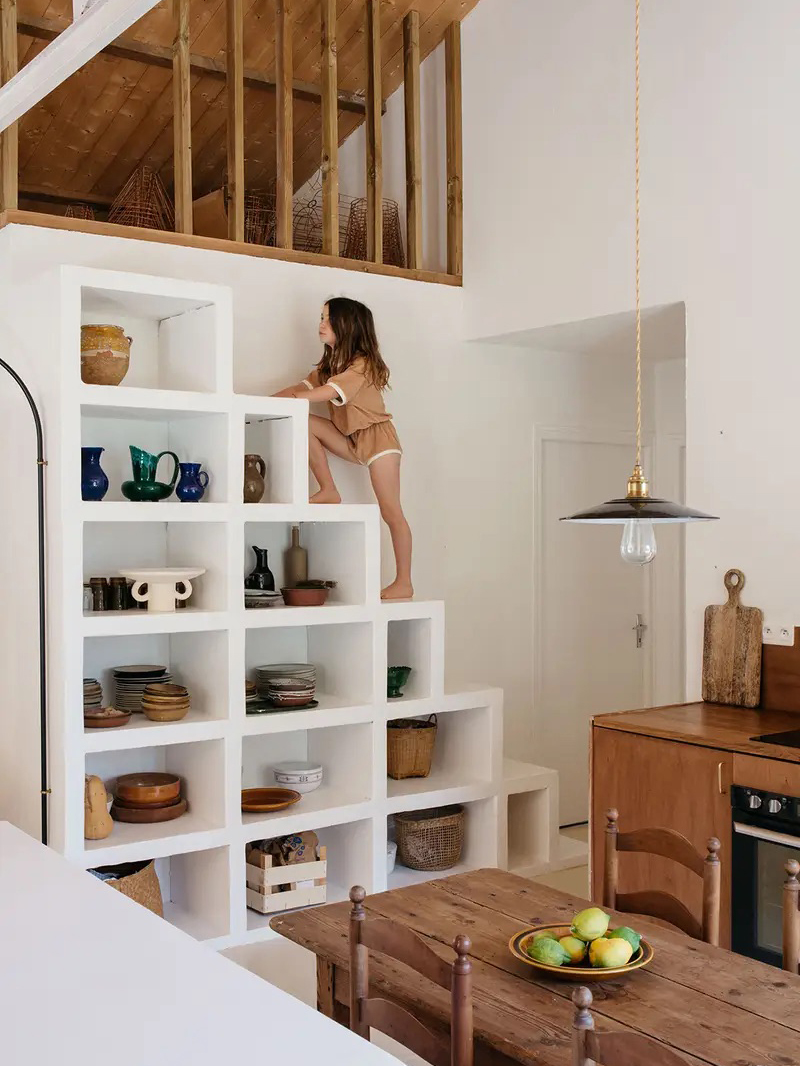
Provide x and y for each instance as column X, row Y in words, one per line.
column 586, row 658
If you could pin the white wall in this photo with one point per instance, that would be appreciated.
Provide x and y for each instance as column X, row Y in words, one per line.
column 549, row 232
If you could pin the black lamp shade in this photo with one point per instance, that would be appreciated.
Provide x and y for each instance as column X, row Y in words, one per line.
column 617, row 512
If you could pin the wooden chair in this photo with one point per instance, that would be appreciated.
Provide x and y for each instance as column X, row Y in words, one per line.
column 657, row 904
column 613, row 1049
column 791, row 918
column 399, row 943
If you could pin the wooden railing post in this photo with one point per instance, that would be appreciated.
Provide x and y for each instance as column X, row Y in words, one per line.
column 455, row 203
column 413, row 139
column 9, row 138
column 182, row 116
column 374, row 138
column 235, row 91
column 284, row 124
column 330, row 131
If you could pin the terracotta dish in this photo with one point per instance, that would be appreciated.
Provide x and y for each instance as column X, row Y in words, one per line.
column 109, row 718
column 305, row 597
column 148, row 788
column 265, row 800
column 148, row 815
column 518, row 945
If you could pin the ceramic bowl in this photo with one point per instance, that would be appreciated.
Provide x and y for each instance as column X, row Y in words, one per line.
column 303, row 777
column 313, row 597
column 165, row 714
column 265, row 800
column 146, row 788
column 582, row 974
column 396, row 678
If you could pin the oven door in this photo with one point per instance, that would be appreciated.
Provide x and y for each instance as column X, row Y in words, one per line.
column 759, row 855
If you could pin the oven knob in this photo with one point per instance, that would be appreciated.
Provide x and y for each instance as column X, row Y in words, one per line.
column 753, row 801
column 775, row 806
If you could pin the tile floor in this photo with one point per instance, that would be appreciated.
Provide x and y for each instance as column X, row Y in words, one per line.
column 292, row 968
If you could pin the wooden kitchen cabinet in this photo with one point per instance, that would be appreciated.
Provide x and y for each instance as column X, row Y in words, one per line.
column 655, row 782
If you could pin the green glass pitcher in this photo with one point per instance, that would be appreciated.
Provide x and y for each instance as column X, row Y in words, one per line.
column 144, row 485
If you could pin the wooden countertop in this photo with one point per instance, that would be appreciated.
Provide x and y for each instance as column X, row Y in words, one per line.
column 709, row 725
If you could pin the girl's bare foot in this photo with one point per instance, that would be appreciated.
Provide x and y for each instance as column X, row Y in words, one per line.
column 398, row 590
column 326, row 496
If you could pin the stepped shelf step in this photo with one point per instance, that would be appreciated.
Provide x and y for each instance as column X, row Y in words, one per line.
column 136, row 622
column 165, row 511
column 140, row 732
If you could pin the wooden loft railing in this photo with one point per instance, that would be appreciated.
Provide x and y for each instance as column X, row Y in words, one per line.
column 184, row 63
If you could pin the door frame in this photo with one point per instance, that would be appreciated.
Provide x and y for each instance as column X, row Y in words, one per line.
column 543, row 434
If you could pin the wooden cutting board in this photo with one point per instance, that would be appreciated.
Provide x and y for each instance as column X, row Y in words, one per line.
column 732, row 649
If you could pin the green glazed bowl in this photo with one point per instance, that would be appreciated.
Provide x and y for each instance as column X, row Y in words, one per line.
column 396, row 677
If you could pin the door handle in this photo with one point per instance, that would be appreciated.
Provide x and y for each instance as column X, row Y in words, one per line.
column 720, row 787
column 639, row 629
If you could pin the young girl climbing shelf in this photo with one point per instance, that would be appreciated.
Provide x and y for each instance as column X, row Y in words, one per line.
column 351, row 377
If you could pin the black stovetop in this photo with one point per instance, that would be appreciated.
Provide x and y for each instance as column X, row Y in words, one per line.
column 788, row 739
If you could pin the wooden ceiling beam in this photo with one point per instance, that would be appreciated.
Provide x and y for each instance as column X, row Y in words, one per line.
column 102, row 23
column 45, row 195
column 156, row 55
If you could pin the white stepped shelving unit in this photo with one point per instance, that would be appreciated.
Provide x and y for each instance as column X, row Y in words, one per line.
column 179, row 395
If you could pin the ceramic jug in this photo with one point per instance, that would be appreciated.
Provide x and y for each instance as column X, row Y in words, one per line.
column 255, row 472
column 192, row 484
column 94, row 483
column 261, row 577
column 144, row 485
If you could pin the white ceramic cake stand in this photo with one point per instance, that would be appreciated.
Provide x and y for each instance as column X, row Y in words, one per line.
column 161, row 595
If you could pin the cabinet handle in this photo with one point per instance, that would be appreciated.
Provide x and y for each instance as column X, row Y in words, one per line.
column 719, row 779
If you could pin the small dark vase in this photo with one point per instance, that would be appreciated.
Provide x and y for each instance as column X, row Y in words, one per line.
column 94, row 483
column 261, row 577
column 193, row 483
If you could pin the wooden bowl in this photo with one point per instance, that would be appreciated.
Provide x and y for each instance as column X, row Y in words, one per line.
column 305, row 597
column 265, row 800
column 107, row 721
column 580, row 973
column 148, row 788
column 165, row 714
column 148, row 815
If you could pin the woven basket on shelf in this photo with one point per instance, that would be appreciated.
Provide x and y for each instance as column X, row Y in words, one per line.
column 430, row 840
column 138, row 881
column 409, row 747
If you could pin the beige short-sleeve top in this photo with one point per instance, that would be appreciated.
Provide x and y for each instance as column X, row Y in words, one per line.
column 358, row 402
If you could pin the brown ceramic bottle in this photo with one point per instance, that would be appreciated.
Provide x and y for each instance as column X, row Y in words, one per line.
column 295, row 562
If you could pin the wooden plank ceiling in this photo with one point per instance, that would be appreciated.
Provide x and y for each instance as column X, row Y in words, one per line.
column 115, row 113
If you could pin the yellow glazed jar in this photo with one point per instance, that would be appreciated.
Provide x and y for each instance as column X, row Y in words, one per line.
column 105, row 354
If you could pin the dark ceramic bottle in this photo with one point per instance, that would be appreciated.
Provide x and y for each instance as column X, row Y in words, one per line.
column 94, row 483
column 261, row 577
column 193, row 483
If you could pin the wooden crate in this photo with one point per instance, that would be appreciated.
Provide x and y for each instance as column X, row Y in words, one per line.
column 307, row 883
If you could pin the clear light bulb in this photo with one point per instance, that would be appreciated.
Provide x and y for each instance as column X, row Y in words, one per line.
column 638, row 544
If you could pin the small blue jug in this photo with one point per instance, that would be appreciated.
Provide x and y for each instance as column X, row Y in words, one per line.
column 192, row 484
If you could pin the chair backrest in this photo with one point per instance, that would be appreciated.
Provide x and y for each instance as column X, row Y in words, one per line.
column 670, row 845
column 399, row 943
column 791, row 917
column 613, row 1049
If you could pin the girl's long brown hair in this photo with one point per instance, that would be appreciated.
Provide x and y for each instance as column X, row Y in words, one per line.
column 354, row 326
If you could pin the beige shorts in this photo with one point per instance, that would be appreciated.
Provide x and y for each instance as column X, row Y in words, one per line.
column 367, row 445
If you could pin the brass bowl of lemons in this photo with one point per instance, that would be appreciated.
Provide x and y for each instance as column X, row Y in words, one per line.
column 587, row 950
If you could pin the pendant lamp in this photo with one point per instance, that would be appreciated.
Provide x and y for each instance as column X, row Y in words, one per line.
column 638, row 511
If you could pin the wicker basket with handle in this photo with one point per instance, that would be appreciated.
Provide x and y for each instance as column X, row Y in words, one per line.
column 409, row 747
column 432, row 839
column 138, row 881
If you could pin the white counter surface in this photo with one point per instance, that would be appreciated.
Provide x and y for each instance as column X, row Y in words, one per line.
column 89, row 978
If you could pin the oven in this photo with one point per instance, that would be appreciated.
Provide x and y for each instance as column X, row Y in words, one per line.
column 766, row 832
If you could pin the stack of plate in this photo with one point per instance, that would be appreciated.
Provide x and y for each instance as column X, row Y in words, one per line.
column 260, row 598
column 92, row 694
column 288, row 684
column 131, row 681
column 250, row 692
column 165, row 703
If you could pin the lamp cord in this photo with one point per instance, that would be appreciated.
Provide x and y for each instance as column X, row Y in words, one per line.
column 41, row 463
column 638, row 268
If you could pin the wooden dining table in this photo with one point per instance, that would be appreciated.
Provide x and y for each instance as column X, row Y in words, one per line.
column 706, row 1003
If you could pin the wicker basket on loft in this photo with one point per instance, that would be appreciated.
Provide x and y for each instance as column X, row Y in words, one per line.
column 143, row 202
column 85, row 211
column 355, row 234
